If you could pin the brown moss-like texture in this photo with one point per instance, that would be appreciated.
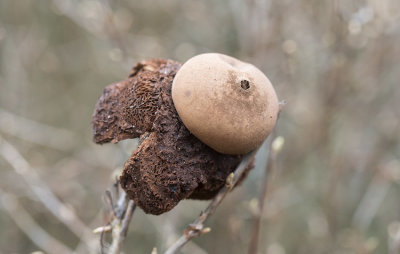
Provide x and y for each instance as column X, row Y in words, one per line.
column 170, row 164
column 127, row 109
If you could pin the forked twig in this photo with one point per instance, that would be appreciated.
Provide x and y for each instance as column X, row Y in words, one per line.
column 121, row 214
column 120, row 228
column 41, row 190
column 197, row 227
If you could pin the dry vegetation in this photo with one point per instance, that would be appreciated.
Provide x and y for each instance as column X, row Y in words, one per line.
column 335, row 187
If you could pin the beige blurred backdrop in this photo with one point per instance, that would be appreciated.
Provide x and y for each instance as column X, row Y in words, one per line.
column 335, row 188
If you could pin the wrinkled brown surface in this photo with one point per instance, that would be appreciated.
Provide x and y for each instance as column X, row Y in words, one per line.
column 127, row 109
column 170, row 164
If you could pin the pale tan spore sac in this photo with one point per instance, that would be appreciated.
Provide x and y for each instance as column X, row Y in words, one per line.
column 228, row 104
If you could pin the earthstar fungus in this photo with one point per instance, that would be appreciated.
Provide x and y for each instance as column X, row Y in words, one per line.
column 170, row 163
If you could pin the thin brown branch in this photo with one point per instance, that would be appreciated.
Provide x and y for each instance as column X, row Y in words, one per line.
column 41, row 190
column 197, row 227
column 127, row 218
column 120, row 228
column 370, row 203
column 168, row 232
column 110, row 203
column 104, row 17
column 273, row 149
column 394, row 246
column 36, row 132
column 121, row 214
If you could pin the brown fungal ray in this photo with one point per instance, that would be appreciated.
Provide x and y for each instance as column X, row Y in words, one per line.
column 127, row 109
column 107, row 122
column 170, row 164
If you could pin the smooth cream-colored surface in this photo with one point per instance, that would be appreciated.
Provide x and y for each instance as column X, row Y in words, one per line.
column 210, row 96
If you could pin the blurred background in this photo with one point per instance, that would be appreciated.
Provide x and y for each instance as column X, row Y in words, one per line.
column 336, row 183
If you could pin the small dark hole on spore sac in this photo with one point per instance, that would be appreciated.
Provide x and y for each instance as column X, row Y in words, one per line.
column 245, row 84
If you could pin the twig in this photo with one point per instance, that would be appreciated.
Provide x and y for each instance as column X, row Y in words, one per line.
column 395, row 245
column 121, row 214
column 120, row 229
column 104, row 16
column 168, row 232
column 273, row 149
column 370, row 203
column 35, row 132
column 30, row 227
column 65, row 214
column 197, row 228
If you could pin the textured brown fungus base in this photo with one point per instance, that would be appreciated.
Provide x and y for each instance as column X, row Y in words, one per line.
column 170, row 163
